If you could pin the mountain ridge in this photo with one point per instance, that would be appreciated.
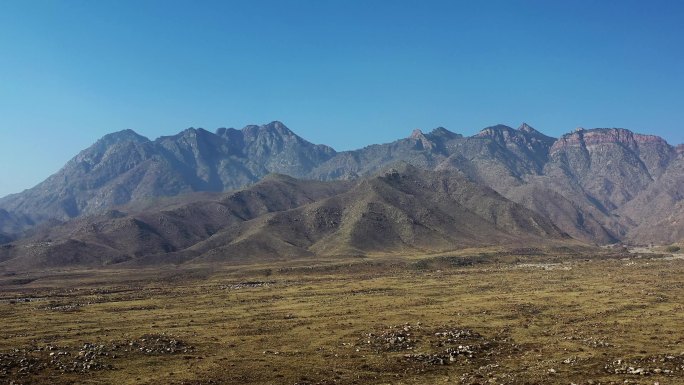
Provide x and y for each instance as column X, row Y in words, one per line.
column 402, row 209
column 582, row 180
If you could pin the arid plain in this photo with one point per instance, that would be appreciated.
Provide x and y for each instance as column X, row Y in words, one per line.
column 479, row 316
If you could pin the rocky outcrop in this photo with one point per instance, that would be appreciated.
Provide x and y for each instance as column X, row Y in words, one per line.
column 595, row 137
column 422, row 142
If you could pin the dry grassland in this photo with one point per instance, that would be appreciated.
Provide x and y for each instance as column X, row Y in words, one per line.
column 490, row 318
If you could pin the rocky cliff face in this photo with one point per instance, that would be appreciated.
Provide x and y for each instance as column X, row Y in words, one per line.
column 582, row 137
column 657, row 213
column 653, row 151
column 599, row 185
column 612, row 165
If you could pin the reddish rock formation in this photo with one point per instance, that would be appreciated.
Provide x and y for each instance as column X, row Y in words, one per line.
column 595, row 137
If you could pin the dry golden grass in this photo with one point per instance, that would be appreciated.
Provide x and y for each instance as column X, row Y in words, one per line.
column 541, row 321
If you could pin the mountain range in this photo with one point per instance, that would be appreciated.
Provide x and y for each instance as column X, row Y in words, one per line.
column 218, row 198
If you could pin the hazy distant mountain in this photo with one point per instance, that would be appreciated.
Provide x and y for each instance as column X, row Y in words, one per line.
column 600, row 185
column 125, row 166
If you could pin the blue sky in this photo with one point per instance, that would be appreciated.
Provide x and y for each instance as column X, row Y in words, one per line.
column 345, row 73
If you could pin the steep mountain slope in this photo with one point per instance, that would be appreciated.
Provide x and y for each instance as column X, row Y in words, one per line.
column 422, row 150
column 658, row 212
column 612, row 165
column 12, row 224
column 124, row 167
column 592, row 173
column 99, row 176
column 403, row 210
column 115, row 236
column 500, row 157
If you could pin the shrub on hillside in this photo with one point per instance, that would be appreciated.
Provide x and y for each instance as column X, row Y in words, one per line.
column 672, row 249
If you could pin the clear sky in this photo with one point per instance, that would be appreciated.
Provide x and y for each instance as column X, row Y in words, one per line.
column 345, row 73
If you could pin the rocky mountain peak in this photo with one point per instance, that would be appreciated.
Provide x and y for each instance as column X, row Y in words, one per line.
column 600, row 136
column 195, row 132
column 273, row 129
column 500, row 134
column 441, row 131
column 127, row 135
column 226, row 132
column 527, row 128
column 250, row 128
column 498, row 131
column 422, row 141
column 442, row 134
column 278, row 126
column 528, row 137
column 94, row 153
column 274, row 126
column 537, row 136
